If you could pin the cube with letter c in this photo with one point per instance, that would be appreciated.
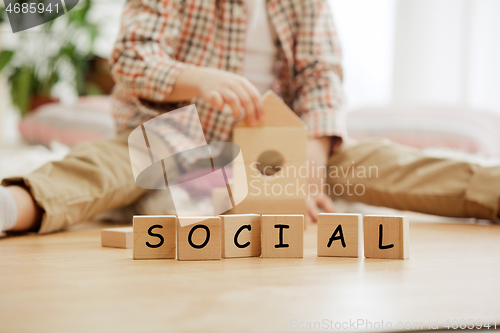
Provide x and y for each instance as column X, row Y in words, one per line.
column 240, row 235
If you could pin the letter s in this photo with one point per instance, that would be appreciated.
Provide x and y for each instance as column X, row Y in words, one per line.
column 151, row 233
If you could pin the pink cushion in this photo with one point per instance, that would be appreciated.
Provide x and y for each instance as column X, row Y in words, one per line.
column 466, row 130
column 87, row 120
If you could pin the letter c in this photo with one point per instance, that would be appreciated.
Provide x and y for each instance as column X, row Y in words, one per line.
column 238, row 245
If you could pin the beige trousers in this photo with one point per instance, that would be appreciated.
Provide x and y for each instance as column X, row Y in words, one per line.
column 97, row 177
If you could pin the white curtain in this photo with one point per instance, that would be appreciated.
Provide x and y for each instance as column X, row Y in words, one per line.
column 366, row 32
column 421, row 52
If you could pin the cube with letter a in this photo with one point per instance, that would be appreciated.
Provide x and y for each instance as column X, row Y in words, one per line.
column 338, row 234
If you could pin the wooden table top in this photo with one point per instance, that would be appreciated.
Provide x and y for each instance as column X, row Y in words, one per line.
column 66, row 282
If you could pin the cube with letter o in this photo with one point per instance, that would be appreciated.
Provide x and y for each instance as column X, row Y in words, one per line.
column 199, row 240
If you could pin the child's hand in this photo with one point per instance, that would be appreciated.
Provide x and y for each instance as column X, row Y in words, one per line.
column 319, row 204
column 219, row 87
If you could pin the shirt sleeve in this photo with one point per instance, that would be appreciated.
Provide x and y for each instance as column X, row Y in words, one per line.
column 319, row 98
column 142, row 62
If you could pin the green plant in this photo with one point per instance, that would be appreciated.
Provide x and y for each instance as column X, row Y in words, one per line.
column 56, row 53
column 2, row 15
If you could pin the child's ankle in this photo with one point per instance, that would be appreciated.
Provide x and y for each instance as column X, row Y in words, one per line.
column 8, row 210
column 29, row 214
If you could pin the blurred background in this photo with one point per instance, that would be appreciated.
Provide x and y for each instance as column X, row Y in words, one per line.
column 420, row 72
column 421, row 52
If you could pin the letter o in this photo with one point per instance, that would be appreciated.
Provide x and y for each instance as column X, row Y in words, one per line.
column 190, row 236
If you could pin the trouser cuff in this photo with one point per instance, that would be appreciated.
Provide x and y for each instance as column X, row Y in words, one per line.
column 484, row 189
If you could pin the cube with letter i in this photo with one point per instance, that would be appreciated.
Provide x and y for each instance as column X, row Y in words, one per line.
column 240, row 235
column 338, row 234
column 386, row 237
column 282, row 236
column 154, row 236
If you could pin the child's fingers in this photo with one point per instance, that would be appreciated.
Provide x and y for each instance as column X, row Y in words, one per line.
column 215, row 100
column 312, row 210
column 257, row 100
column 247, row 103
column 326, row 203
column 233, row 101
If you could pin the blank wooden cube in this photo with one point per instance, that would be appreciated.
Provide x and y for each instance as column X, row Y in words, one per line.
column 386, row 237
column 282, row 236
column 338, row 235
column 199, row 241
column 117, row 237
column 240, row 235
column 154, row 236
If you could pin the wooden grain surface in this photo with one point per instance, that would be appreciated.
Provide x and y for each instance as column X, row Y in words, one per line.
column 67, row 282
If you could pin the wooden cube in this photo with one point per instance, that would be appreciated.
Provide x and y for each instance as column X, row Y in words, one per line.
column 154, row 236
column 117, row 237
column 282, row 236
column 386, row 237
column 338, row 235
column 199, row 241
column 240, row 235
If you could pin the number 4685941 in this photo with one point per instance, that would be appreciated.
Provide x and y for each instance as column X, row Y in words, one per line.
column 32, row 8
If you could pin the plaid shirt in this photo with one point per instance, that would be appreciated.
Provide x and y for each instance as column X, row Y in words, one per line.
column 161, row 38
